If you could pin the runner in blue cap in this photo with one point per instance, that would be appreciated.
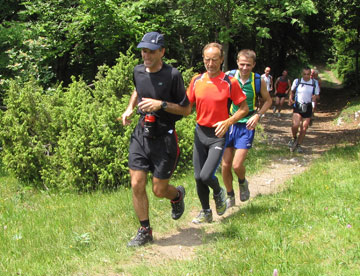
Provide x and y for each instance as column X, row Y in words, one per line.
column 160, row 99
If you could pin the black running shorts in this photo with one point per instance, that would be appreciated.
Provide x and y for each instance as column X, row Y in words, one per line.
column 159, row 155
column 279, row 95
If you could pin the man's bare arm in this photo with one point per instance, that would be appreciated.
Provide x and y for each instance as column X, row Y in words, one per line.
column 125, row 117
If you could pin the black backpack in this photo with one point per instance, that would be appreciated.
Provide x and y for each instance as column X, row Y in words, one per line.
column 298, row 82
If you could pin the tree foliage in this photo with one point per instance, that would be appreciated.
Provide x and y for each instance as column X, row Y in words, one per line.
column 346, row 40
column 63, row 84
column 77, row 36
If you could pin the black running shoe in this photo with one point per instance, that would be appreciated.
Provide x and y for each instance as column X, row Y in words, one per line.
column 220, row 202
column 143, row 236
column 178, row 206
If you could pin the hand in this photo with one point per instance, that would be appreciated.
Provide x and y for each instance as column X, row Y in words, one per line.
column 221, row 128
column 252, row 122
column 125, row 117
column 149, row 105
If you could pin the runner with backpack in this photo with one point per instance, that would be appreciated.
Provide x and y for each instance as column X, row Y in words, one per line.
column 303, row 91
column 240, row 136
column 282, row 89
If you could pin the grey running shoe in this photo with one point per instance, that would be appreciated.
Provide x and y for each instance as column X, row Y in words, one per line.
column 299, row 149
column 203, row 216
column 292, row 144
column 178, row 206
column 143, row 236
column 244, row 191
column 274, row 109
column 230, row 201
column 220, row 202
column 279, row 115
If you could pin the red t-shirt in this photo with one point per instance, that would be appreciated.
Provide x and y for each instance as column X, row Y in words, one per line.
column 282, row 85
column 211, row 97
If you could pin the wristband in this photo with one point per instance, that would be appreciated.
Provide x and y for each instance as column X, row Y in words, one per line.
column 260, row 116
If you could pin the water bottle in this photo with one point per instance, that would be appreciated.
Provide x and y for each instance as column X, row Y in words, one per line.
column 149, row 126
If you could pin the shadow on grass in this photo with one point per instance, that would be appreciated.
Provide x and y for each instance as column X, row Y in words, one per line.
column 186, row 237
column 346, row 153
column 194, row 236
column 251, row 210
column 232, row 230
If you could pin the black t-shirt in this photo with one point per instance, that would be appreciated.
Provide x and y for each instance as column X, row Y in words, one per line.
column 166, row 85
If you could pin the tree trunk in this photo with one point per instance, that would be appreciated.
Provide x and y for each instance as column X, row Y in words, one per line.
column 226, row 56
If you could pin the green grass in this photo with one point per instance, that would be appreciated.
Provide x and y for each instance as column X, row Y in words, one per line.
column 352, row 108
column 61, row 234
column 311, row 228
column 327, row 80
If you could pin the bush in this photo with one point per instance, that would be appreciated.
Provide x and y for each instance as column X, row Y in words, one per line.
column 29, row 130
column 68, row 139
column 185, row 130
column 91, row 153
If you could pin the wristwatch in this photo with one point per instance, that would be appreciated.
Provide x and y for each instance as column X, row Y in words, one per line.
column 163, row 105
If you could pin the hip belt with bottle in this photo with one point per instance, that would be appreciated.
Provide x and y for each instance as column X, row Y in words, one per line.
column 303, row 107
column 154, row 128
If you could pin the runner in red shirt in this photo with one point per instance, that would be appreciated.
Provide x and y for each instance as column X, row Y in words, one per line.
column 282, row 89
column 211, row 92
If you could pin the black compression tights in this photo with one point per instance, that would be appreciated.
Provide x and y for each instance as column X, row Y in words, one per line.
column 207, row 154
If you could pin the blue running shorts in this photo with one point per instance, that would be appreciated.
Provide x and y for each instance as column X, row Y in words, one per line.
column 239, row 137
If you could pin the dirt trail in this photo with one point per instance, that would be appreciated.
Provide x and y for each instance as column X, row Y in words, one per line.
column 321, row 136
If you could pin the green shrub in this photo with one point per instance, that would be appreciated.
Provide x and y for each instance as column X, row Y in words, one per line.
column 68, row 139
column 29, row 129
column 90, row 152
column 185, row 131
column 93, row 147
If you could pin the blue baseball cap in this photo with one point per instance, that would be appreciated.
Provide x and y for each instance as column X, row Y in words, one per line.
column 152, row 41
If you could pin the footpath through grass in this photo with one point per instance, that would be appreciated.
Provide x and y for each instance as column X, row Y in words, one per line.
column 312, row 228
column 67, row 234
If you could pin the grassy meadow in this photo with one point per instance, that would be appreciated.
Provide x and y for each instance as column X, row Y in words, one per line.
column 42, row 233
column 310, row 228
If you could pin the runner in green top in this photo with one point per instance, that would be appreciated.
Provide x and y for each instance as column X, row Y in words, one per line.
column 249, row 88
column 240, row 136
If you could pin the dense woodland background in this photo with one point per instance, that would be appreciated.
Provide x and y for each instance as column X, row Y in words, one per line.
column 66, row 71
column 55, row 39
